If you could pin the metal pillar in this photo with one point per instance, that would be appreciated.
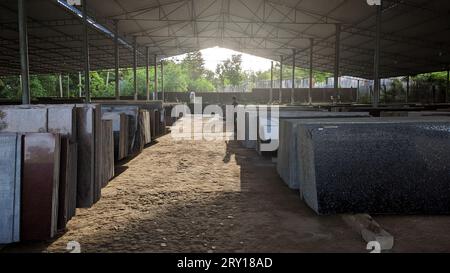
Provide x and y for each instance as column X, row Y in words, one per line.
column 135, row 68
column 293, row 76
column 447, row 89
column 311, row 51
column 281, row 79
column 357, row 92
column 79, row 85
column 60, row 86
column 147, row 73
column 407, row 89
column 162, row 79
column 68, row 86
column 87, row 80
column 271, row 82
column 23, row 43
column 337, row 57
column 376, row 69
column 155, row 94
column 116, row 59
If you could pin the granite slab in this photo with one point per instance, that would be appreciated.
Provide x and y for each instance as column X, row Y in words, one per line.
column 25, row 120
column 108, row 151
column 86, row 156
column 10, row 187
column 67, row 183
column 40, row 186
column 376, row 166
column 287, row 162
column 98, row 156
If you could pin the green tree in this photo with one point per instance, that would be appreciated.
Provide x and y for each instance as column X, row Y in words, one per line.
column 230, row 71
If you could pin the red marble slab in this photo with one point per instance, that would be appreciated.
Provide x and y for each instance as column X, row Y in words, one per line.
column 40, row 183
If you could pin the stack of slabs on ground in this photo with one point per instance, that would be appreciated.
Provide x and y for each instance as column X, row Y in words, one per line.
column 121, row 130
column 287, row 155
column 377, row 165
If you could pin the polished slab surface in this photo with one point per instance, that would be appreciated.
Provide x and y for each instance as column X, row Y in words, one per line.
column 40, row 186
column 378, row 166
column 10, row 187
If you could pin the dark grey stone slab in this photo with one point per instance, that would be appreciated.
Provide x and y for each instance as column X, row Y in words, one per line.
column 67, row 182
column 10, row 187
column 98, row 163
column 86, row 156
column 108, row 151
column 287, row 162
column 133, row 123
column 379, row 166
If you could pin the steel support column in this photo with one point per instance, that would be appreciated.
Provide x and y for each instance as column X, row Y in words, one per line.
column 293, row 76
column 281, row 79
column 271, row 82
column 407, row 89
column 116, row 58
column 87, row 68
column 23, row 43
column 311, row 52
column 79, row 85
column 376, row 69
column 60, row 86
column 155, row 94
column 135, row 68
column 337, row 59
column 162, row 79
column 147, row 73
column 447, row 89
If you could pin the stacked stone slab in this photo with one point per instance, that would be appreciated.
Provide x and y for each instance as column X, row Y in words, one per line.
column 121, row 130
column 287, row 166
column 108, row 152
column 380, row 166
column 57, row 119
column 10, row 187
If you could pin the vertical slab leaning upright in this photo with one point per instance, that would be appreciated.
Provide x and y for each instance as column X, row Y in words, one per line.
column 10, row 186
column 40, row 184
column 86, row 153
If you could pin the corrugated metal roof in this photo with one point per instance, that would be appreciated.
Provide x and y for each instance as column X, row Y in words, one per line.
column 415, row 33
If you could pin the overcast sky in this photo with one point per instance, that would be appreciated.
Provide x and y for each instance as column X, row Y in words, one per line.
column 216, row 55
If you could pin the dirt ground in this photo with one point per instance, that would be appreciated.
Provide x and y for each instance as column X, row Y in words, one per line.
column 215, row 196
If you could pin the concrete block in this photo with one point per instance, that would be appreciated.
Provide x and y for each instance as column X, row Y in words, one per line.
column 10, row 187
column 379, row 166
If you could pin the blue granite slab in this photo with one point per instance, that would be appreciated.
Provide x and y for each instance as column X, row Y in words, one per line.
column 10, row 187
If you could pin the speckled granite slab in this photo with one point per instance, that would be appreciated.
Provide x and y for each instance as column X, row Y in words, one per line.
column 287, row 166
column 381, row 166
